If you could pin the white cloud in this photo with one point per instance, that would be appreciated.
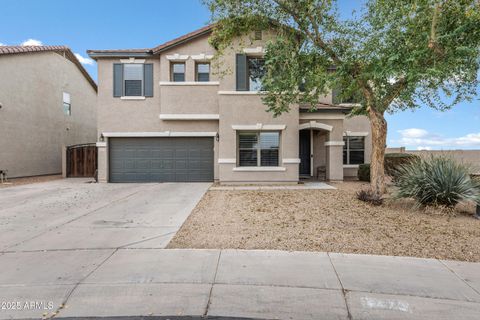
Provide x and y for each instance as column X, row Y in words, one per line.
column 424, row 148
column 424, row 140
column 32, row 42
column 84, row 60
column 2, row 44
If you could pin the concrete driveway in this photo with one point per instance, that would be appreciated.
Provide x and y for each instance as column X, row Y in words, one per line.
column 73, row 214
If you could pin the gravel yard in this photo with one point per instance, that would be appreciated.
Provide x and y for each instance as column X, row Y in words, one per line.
column 328, row 220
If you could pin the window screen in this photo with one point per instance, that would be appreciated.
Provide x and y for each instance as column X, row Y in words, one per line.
column 203, row 72
column 258, row 149
column 353, row 150
column 178, row 72
column 133, row 77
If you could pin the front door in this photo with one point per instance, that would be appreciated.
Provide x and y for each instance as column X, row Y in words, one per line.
column 304, row 145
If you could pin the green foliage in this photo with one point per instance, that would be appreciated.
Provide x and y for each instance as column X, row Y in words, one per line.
column 370, row 197
column 397, row 54
column 364, row 172
column 437, row 181
column 393, row 161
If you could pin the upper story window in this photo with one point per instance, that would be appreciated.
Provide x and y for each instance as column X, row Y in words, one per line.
column 202, row 72
column 258, row 148
column 353, row 150
column 178, row 71
column 256, row 71
column 133, row 78
column 67, row 106
column 257, row 35
column 249, row 72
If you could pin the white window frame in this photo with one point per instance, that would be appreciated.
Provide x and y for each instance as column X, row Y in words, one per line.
column 67, row 101
column 258, row 148
column 142, row 80
column 347, row 146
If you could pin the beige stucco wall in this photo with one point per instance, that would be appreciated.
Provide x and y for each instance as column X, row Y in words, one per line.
column 117, row 115
column 33, row 127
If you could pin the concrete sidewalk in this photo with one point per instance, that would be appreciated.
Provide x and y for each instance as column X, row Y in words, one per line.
column 236, row 283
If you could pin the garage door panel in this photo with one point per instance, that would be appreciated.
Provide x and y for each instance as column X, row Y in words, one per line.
column 161, row 159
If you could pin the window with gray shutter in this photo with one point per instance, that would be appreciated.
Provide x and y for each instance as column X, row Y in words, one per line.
column 241, row 72
column 117, row 79
column 258, row 149
column 148, row 79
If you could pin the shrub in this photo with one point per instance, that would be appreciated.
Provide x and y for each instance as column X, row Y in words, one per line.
column 436, row 181
column 393, row 161
column 370, row 197
column 364, row 172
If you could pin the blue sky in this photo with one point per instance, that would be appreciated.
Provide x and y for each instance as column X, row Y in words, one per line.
column 109, row 24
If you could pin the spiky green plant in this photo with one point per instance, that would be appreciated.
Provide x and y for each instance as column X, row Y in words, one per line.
column 437, row 180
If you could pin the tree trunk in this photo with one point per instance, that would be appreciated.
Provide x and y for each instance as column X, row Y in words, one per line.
column 379, row 141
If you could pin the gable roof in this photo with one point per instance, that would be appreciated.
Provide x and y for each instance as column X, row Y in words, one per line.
column 94, row 54
column 62, row 50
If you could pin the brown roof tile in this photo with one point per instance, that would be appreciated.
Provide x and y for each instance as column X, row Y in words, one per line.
column 63, row 50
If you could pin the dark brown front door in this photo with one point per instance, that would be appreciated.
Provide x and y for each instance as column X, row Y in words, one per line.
column 304, row 145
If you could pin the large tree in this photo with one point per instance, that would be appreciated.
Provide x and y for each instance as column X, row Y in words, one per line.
column 391, row 55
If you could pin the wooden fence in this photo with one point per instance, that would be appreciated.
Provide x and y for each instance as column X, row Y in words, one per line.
column 81, row 160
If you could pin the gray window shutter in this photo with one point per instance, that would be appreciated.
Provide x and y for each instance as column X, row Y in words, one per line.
column 117, row 79
column 336, row 96
column 241, row 72
column 148, row 79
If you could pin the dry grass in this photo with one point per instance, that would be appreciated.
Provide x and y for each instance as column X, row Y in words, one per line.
column 28, row 180
column 328, row 220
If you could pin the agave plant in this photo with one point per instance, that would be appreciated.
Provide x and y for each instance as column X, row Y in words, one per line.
column 437, row 180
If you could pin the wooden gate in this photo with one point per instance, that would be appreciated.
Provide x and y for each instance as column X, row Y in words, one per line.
column 81, row 160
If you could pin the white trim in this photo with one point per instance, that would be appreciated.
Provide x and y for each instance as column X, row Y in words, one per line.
column 227, row 160
column 240, row 93
column 334, row 143
column 177, row 57
column 132, row 98
column 189, row 116
column 158, row 134
column 311, row 152
column 132, row 60
column 101, row 144
column 320, row 116
column 355, row 134
column 315, row 125
column 290, row 160
column 254, row 51
column 189, row 83
column 259, row 169
column 202, row 57
column 350, row 166
column 259, row 126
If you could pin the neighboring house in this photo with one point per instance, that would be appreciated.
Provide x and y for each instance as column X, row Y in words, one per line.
column 166, row 114
column 47, row 100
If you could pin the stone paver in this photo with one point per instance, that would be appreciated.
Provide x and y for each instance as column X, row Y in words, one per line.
column 401, row 275
column 369, row 306
column 265, row 302
column 277, row 268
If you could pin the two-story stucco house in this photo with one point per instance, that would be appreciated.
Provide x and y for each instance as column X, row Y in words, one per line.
column 170, row 113
column 47, row 100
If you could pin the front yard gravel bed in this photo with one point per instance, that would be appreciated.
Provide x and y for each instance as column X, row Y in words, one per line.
column 328, row 220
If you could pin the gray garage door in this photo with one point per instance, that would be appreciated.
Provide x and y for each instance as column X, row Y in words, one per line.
column 161, row 159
